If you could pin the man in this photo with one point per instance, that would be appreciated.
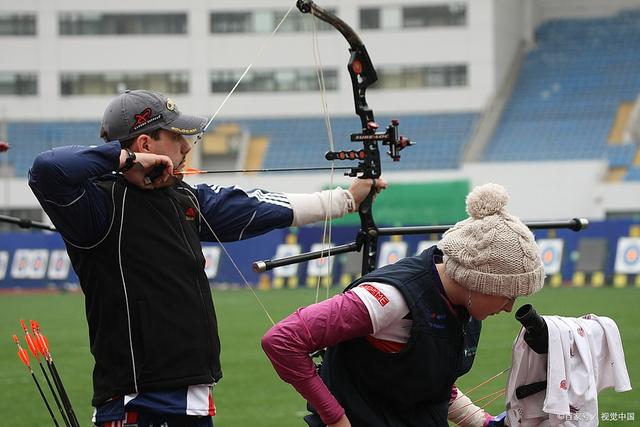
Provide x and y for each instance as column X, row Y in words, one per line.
column 134, row 242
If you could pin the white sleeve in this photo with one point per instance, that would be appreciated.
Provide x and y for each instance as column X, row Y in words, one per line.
column 385, row 304
column 314, row 207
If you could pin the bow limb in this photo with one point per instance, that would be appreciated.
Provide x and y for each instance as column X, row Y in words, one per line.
column 362, row 74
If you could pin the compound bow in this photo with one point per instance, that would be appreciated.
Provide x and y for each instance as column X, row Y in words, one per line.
column 363, row 75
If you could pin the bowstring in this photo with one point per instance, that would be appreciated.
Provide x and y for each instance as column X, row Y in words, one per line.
column 211, row 119
column 327, row 225
column 248, row 68
column 246, row 282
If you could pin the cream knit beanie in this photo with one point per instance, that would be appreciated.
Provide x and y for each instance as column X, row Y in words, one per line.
column 492, row 251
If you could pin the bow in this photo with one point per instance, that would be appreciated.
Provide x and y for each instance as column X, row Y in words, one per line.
column 363, row 75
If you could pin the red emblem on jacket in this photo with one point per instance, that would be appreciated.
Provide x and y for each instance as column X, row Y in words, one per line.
column 190, row 214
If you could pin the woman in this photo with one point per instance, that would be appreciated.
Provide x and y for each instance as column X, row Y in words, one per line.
column 398, row 338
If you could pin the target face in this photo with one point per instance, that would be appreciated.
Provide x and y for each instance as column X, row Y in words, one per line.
column 59, row 264
column 550, row 251
column 628, row 256
column 391, row 252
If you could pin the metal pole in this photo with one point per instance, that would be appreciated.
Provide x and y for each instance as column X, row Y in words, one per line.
column 575, row 224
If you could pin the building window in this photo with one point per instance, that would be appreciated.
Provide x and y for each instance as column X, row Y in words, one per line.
column 17, row 24
column 421, row 77
column 72, row 84
column 434, row 16
column 263, row 21
column 398, row 16
column 231, row 22
column 21, row 84
column 369, row 18
column 281, row 80
column 86, row 23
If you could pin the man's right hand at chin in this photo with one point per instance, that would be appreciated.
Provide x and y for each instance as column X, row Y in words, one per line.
column 145, row 164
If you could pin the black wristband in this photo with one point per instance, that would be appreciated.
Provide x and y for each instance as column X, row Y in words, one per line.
column 129, row 161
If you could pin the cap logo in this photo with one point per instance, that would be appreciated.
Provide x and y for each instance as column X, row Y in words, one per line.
column 144, row 118
column 170, row 104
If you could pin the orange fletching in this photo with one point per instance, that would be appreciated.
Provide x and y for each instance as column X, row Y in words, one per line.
column 24, row 356
column 27, row 337
column 42, row 344
column 22, row 353
column 32, row 346
column 189, row 171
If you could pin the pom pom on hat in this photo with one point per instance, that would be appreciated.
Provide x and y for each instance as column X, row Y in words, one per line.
column 492, row 251
column 486, row 200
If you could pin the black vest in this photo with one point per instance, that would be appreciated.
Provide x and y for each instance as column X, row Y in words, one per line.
column 411, row 388
column 152, row 324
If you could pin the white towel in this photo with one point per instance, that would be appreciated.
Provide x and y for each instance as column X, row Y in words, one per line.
column 585, row 357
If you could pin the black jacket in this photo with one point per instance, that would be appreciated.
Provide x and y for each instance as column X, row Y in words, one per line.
column 411, row 388
column 146, row 290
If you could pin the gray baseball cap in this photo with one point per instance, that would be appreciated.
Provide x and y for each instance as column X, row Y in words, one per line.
column 141, row 111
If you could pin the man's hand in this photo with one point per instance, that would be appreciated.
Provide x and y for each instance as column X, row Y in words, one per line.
column 4, row 146
column 360, row 188
column 144, row 164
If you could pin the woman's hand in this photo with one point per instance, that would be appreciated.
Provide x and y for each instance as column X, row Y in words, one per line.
column 360, row 189
column 342, row 422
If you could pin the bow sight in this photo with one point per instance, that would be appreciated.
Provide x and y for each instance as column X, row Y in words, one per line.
column 369, row 166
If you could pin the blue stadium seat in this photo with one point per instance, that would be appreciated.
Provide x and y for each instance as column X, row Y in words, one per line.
column 633, row 174
column 621, row 155
column 569, row 89
column 28, row 139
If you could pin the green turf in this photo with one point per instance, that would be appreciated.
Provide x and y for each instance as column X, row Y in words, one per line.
column 250, row 394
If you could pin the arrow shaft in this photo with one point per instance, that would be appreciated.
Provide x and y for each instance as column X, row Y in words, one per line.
column 319, row 168
column 55, row 396
column 44, row 399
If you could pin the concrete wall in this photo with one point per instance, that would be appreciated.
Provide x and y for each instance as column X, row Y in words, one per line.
column 199, row 52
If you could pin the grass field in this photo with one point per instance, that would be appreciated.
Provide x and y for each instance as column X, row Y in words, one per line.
column 250, row 393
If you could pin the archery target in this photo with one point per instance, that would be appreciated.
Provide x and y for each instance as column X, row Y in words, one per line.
column 29, row 263
column 628, row 256
column 550, row 251
column 211, row 260
column 321, row 266
column 4, row 262
column 285, row 250
column 38, row 264
column 20, row 265
column 424, row 245
column 58, row 265
column 390, row 252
